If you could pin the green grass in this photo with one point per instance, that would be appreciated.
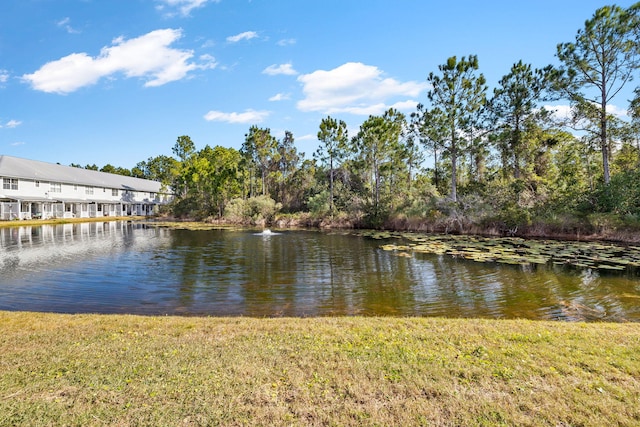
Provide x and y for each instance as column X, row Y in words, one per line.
column 81, row 370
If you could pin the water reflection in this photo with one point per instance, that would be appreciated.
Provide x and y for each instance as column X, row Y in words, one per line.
column 118, row 267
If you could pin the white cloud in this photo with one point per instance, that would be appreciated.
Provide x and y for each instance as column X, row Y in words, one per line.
column 247, row 35
column 12, row 124
column 4, row 76
column 280, row 97
column 249, row 116
column 208, row 62
column 286, row 42
column 66, row 24
column 405, row 105
column 148, row 56
column 564, row 112
column 354, row 88
column 274, row 70
column 15, row 144
column 307, row 137
column 559, row 112
column 617, row 111
column 208, row 44
column 183, row 7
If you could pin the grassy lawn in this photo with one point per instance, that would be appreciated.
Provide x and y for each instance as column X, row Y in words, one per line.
column 81, row 370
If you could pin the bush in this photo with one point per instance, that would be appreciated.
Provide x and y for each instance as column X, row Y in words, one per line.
column 258, row 210
column 603, row 222
column 319, row 204
column 621, row 196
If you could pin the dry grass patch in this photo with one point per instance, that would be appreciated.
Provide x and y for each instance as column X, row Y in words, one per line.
column 130, row 370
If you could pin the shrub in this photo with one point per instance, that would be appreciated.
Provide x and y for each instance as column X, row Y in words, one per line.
column 254, row 210
column 319, row 204
column 621, row 196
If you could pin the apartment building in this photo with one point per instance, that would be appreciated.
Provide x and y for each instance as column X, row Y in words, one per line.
column 33, row 189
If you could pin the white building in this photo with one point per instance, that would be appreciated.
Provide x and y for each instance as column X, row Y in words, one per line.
column 32, row 189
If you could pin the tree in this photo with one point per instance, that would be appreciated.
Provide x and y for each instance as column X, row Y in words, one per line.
column 160, row 168
column 514, row 106
column 430, row 127
column 460, row 94
column 223, row 176
column 184, row 148
column 598, row 65
column 259, row 149
column 378, row 145
column 632, row 134
column 412, row 140
column 334, row 137
column 585, row 118
column 109, row 168
column 286, row 164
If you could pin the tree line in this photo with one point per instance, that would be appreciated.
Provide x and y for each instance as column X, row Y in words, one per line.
column 468, row 158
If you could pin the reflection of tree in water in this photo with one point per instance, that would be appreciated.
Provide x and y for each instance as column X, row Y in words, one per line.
column 316, row 273
column 295, row 273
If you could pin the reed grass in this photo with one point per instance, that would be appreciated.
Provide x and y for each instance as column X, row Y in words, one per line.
column 93, row 370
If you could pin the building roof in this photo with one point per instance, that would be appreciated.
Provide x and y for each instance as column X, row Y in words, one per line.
column 14, row 167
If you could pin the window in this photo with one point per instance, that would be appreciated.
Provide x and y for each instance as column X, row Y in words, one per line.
column 9, row 183
column 104, row 190
column 75, row 187
column 88, row 190
column 37, row 184
column 55, row 187
column 114, row 191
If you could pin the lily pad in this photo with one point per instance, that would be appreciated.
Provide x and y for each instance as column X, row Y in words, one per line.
column 510, row 250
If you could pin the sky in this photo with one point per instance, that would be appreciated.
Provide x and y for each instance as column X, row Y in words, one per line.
column 118, row 81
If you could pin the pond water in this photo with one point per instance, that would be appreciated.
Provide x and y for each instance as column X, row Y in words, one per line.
column 125, row 267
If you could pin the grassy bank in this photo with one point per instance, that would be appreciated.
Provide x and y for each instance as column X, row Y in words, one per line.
column 129, row 370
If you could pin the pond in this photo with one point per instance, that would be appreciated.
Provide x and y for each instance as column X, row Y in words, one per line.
column 128, row 267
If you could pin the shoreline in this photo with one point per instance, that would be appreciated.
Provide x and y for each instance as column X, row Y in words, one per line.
column 613, row 236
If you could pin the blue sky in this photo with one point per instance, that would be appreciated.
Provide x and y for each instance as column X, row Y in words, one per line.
column 117, row 81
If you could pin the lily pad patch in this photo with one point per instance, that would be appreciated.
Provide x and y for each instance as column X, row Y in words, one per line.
column 517, row 251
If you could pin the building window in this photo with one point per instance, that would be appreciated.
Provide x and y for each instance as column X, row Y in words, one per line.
column 104, row 190
column 55, row 187
column 9, row 183
column 88, row 190
column 37, row 184
column 114, row 191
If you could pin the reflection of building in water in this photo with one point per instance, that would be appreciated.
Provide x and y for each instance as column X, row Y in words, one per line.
column 40, row 245
column 33, row 189
column 28, row 236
